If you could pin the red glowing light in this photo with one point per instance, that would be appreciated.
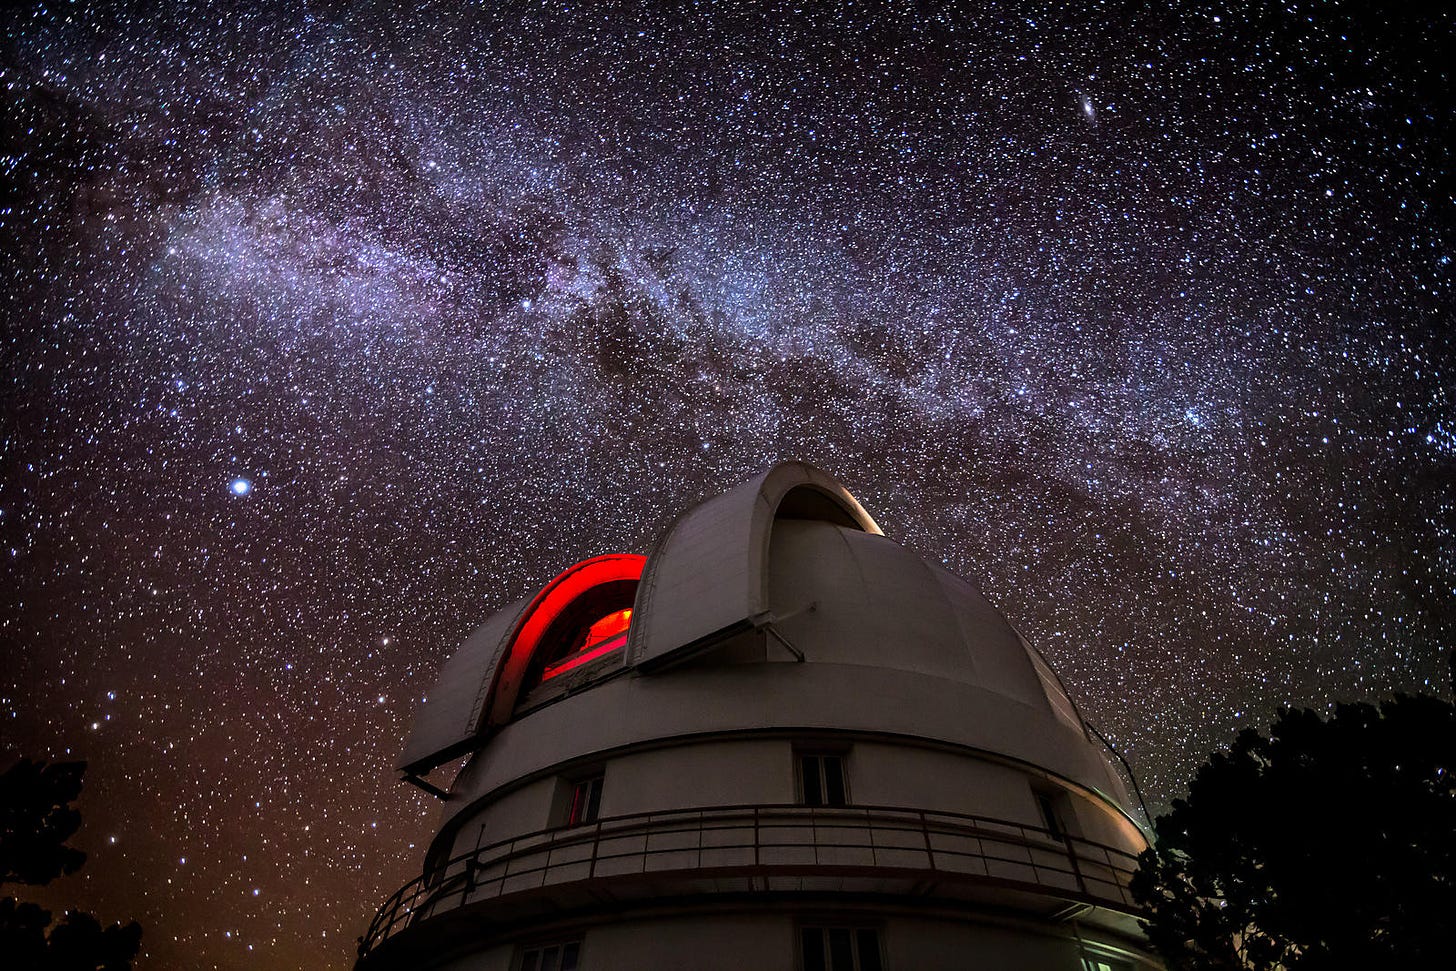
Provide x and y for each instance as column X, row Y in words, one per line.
column 606, row 633
column 581, row 657
column 603, row 637
column 611, row 625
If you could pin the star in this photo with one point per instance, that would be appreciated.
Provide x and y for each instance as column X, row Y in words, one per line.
column 494, row 299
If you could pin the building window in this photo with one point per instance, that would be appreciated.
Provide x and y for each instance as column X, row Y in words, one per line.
column 1090, row 963
column 1050, row 818
column 1058, row 818
column 840, row 949
column 586, row 801
column 821, row 780
column 551, row 957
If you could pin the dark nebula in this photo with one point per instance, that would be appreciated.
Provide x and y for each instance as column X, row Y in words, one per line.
column 329, row 330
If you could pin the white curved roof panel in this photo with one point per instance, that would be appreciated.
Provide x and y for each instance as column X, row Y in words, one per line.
column 707, row 576
column 449, row 721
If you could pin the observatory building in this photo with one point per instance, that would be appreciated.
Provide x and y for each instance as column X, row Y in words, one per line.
column 779, row 741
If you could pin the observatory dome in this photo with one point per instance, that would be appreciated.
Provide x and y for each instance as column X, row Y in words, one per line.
column 779, row 728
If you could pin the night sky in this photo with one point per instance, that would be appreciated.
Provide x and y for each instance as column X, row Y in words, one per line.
column 328, row 331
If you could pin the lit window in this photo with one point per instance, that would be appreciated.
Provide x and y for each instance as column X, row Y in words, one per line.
column 821, row 780
column 552, row 957
column 586, row 801
column 1104, row 964
column 840, row 949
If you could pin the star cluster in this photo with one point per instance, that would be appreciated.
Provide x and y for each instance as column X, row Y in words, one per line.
column 329, row 330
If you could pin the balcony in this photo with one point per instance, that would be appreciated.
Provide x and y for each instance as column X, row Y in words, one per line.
column 746, row 849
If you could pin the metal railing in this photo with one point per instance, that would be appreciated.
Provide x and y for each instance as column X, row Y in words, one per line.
column 768, row 840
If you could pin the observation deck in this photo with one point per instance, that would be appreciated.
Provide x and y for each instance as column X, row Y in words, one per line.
column 712, row 853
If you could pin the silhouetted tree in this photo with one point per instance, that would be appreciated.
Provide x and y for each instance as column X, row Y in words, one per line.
column 1329, row 844
column 36, row 819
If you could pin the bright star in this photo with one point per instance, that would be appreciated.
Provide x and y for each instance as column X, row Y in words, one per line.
column 240, row 486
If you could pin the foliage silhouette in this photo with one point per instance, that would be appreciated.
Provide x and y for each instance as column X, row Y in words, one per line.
column 36, row 819
column 1329, row 844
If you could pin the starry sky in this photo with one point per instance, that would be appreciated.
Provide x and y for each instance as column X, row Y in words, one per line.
column 328, row 330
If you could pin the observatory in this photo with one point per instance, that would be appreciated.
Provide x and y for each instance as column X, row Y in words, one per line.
column 778, row 741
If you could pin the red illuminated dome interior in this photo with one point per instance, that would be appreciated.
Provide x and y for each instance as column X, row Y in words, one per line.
column 581, row 615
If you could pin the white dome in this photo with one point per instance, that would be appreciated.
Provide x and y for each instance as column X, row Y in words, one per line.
column 878, row 604
column 776, row 714
column 892, row 645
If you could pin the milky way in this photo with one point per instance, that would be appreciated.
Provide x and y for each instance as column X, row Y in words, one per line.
column 327, row 333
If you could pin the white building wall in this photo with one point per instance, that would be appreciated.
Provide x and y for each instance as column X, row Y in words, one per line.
column 896, row 775
column 524, row 810
column 964, row 946
column 752, row 771
column 699, row 775
column 704, row 699
column 498, row 958
column 700, row 943
column 769, row 942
